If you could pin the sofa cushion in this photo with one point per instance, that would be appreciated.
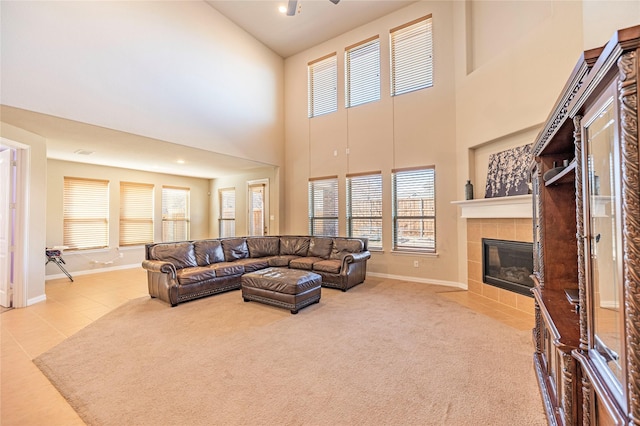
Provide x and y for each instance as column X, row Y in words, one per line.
column 234, row 249
column 195, row 275
column 304, row 263
column 320, row 247
column 181, row 255
column 208, row 251
column 251, row 265
column 282, row 260
column 224, row 269
column 297, row 246
column 263, row 246
column 331, row 266
column 344, row 246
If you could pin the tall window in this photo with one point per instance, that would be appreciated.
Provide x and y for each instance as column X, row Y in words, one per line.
column 323, row 206
column 414, row 209
column 86, row 213
column 227, row 219
column 362, row 72
column 364, row 208
column 136, row 213
column 411, row 56
column 175, row 213
column 323, row 85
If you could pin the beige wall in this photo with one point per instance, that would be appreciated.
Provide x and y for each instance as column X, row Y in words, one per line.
column 176, row 71
column 84, row 260
column 240, row 182
column 414, row 129
column 35, row 198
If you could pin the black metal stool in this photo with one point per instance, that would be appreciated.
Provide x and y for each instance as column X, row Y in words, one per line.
column 55, row 256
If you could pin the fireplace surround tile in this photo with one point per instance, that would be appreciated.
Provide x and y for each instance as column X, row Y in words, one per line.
column 516, row 229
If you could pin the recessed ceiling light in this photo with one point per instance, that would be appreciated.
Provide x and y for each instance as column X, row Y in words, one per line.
column 282, row 9
column 180, row 161
column 83, row 152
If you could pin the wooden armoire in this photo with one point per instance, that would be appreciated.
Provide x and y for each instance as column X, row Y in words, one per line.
column 586, row 201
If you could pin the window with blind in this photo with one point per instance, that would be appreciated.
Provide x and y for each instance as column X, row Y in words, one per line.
column 136, row 213
column 362, row 72
column 411, row 56
column 227, row 220
column 175, row 213
column 86, row 213
column 323, row 206
column 364, row 208
column 414, row 209
column 323, row 85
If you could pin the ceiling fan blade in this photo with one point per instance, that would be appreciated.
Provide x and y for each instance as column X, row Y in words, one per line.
column 335, row 1
column 292, row 6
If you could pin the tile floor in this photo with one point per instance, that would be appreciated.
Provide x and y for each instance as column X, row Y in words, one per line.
column 28, row 398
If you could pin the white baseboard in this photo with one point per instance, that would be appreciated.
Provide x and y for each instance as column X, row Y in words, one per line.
column 93, row 271
column 37, row 299
column 462, row 286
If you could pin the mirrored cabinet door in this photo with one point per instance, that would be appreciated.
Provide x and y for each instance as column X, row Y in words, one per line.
column 604, row 257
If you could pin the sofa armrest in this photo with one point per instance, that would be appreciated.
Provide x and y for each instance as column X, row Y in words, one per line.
column 354, row 258
column 160, row 266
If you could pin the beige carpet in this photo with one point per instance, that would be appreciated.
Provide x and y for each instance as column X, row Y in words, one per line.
column 384, row 353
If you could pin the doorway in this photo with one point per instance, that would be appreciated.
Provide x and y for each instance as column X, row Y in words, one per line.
column 14, row 187
column 258, row 206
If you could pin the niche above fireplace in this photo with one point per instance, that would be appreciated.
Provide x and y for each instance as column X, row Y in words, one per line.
column 508, row 265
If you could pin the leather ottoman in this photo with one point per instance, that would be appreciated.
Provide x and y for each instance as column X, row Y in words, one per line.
column 291, row 289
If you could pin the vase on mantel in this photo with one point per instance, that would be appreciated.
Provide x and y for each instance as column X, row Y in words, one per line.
column 468, row 191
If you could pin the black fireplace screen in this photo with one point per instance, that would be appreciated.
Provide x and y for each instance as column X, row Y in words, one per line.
column 508, row 264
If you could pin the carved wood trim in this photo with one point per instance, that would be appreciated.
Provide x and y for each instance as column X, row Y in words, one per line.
column 568, row 369
column 627, row 89
column 537, row 335
column 577, row 139
column 539, row 257
column 586, row 401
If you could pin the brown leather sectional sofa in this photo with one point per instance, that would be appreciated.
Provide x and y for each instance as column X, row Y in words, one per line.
column 181, row 271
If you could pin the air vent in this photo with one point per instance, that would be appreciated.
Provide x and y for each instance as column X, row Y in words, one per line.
column 83, row 152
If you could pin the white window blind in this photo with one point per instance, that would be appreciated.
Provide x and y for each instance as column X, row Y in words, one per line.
column 86, row 213
column 323, row 206
column 227, row 221
column 414, row 209
column 136, row 213
column 364, row 208
column 323, row 85
column 362, row 72
column 175, row 214
column 411, row 56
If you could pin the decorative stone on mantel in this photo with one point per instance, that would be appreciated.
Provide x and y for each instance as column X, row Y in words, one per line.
column 515, row 206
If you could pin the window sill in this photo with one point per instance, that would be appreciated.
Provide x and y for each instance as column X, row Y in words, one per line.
column 414, row 253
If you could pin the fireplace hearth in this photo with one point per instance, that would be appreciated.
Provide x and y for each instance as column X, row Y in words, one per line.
column 507, row 265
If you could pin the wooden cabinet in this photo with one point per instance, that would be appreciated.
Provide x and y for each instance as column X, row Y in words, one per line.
column 586, row 192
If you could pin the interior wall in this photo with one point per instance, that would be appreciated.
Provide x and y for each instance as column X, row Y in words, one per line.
column 601, row 19
column 176, row 71
column 35, row 241
column 414, row 129
column 91, row 260
column 240, row 183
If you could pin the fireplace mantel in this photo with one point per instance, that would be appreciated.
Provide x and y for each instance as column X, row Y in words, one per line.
column 515, row 206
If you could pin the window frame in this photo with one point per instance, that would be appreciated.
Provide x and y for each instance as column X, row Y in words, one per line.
column 167, row 219
column 329, row 183
column 223, row 219
column 407, row 72
column 322, row 85
column 373, row 244
column 397, row 218
column 134, row 214
column 362, row 72
column 85, row 205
